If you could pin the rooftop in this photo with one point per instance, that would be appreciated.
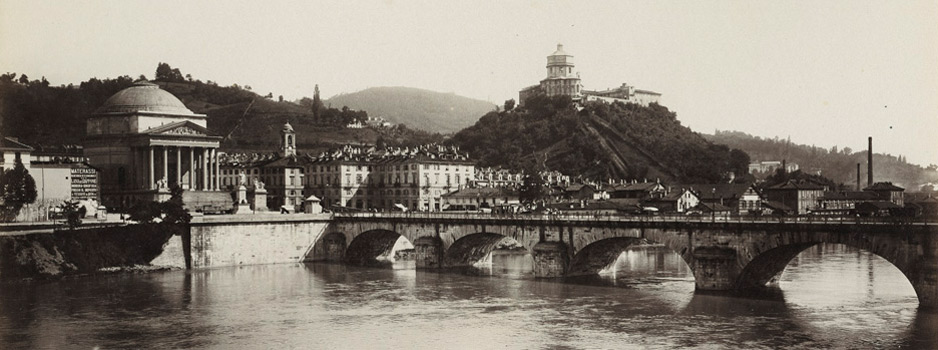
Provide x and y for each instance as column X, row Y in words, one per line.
column 11, row 144
column 144, row 96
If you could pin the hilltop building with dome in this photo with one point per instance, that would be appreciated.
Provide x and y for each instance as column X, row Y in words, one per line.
column 562, row 81
column 143, row 139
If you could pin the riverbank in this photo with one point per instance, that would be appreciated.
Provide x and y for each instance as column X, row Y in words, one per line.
column 85, row 251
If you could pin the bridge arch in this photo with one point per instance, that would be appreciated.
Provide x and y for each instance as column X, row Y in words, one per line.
column 471, row 248
column 366, row 247
column 769, row 259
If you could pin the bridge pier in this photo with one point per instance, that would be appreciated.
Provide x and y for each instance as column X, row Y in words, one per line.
column 333, row 248
column 428, row 253
column 715, row 268
column 550, row 259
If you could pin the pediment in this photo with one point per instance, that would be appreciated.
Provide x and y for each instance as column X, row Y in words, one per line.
column 183, row 130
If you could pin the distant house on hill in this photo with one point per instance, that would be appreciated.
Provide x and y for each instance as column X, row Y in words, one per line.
column 563, row 81
column 641, row 190
column 678, row 201
column 741, row 198
column 801, row 196
column 579, row 192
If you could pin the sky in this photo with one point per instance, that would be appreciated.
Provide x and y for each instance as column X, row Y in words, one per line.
column 822, row 73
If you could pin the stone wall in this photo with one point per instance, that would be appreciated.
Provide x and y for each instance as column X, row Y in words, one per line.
column 231, row 240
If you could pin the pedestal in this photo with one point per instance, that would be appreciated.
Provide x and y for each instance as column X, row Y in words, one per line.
column 241, row 201
column 260, row 200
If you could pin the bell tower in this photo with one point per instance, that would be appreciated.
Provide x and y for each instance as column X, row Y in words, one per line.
column 288, row 140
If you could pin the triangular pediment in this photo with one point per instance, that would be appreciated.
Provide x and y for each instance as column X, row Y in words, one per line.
column 182, row 128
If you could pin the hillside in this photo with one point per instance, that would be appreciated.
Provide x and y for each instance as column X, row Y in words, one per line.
column 599, row 141
column 247, row 120
column 836, row 164
column 416, row 108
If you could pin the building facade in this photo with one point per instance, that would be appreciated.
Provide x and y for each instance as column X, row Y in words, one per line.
column 144, row 139
column 363, row 178
column 11, row 151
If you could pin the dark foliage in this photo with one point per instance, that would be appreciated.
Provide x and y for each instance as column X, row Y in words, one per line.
column 28, row 107
column 532, row 188
column 19, row 189
column 549, row 132
column 71, row 213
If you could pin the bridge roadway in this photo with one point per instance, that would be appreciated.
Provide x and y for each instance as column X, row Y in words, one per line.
column 724, row 253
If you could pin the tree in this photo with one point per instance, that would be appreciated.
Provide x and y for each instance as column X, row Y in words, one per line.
column 509, row 105
column 166, row 73
column 19, row 189
column 72, row 214
column 173, row 210
column 317, row 103
column 532, row 188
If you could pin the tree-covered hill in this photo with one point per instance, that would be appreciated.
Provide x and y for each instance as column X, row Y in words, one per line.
column 42, row 114
column 416, row 108
column 836, row 164
column 599, row 141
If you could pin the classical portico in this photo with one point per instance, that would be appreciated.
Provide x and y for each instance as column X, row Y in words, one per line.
column 144, row 140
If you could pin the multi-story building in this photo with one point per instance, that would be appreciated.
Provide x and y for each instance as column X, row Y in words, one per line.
column 800, row 196
column 365, row 178
column 560, row 81
column 282, row 175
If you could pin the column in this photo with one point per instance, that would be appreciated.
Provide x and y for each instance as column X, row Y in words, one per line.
column 192, row 168
column 165, row 175
column 217, row 171
column 204, row 169
column 178, row 167
column 213, row 169
column 151, row 179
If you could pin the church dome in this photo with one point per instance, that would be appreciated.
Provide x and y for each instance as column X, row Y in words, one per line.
column 287, row 128
column 144, row 96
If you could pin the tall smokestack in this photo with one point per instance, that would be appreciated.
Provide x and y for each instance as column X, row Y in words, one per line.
column 869, row 164
column 858, row 177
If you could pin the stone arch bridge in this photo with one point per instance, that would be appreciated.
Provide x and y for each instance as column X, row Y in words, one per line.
column 724, row 255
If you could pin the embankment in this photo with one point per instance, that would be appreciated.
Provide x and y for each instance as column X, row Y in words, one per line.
column 88, row 250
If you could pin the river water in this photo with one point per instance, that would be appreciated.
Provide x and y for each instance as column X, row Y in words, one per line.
column 829, row 297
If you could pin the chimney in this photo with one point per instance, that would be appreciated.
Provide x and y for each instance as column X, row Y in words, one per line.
column 858, row 177
column 869, row 164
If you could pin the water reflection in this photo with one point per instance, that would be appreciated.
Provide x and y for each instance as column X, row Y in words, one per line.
column 830, row 296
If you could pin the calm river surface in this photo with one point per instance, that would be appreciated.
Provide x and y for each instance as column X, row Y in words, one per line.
column 829, row 297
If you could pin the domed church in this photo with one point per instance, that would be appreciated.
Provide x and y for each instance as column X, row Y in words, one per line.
column 144, row 139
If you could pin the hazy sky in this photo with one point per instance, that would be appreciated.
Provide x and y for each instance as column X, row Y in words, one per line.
column 824, row 73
